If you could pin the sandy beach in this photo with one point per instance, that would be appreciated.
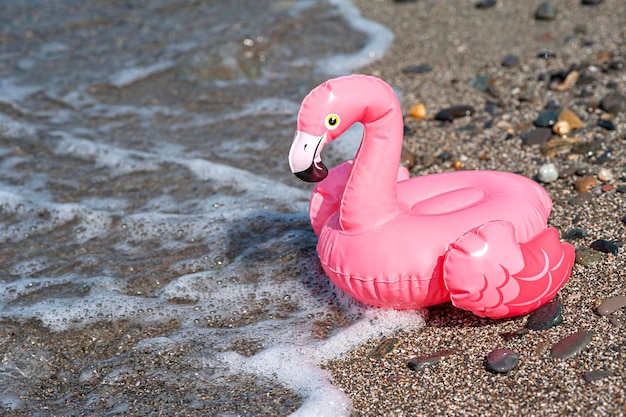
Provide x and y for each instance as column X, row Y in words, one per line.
column 449, row 44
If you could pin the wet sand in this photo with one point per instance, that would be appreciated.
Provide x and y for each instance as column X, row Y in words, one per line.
column 461, row 42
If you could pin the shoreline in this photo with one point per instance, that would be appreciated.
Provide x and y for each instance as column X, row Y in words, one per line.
column 461, row 42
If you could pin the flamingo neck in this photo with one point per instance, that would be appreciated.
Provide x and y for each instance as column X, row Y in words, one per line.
column 370, row 197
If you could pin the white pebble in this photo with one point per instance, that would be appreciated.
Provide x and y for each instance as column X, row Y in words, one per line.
column 605, row 175
column 548, row 173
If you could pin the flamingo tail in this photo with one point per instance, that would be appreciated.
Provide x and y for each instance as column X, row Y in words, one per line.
column 489, row 273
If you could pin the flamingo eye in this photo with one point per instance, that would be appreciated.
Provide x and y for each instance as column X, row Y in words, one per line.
column 332, row 121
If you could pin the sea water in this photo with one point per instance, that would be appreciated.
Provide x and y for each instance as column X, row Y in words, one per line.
column 143, row 179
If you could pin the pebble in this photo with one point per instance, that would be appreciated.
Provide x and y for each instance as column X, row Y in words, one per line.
column 585, row 183
column 586, row 148
column 613, row 103
column 617, row 322
column 558, row 145
column 546, row 55
column 545, row 11
column 384, row 348
column 611, row 305
column 460, row 110
column 548, row 173
column 407, row 158
column 515, row 334
column 537, row 136
column 575, row 233
column 580, row 199
column 591, row 2
column 588, row 257
column 481, row 83
column 605, row 175
column 592, row 376
column 418, row 363
column 547, row 118
column 444, row 116
column 418, row 111
column 606, row 124
column 571, row 345
column 570, row 117
column 546, row 316
column 510, row 61
column 417, row 69
column 604, row 246
column 561, row 128
column 502, row 360
column 485, row 4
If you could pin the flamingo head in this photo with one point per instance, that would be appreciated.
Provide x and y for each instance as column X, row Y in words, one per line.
column 326, row 112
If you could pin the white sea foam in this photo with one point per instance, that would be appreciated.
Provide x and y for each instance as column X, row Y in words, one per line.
column 132, row 74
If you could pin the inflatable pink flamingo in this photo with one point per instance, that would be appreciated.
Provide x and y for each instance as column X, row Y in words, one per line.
column 476, row 238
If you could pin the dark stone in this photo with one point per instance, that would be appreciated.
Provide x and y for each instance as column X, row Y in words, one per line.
column 510, row 61
column 502, row 360
column 616, row 65
column 444, row 116
column 606, row 124
column 546, row 316
column 384, row 348
column 460, row 110
column 485, row 4
column 611, row 305
column 580, row 199
column 571, row 345
column 575, row 233
column 537, row 136
column 418, row 363
column 545, row 11
column 604, row 246
column 613, row 103
column 546, row 55
column 586, row 148
column 491, row 107
column 481, row 83
column 605, row 157
column 445, row 156
column 417, row 69
column 591, row 2
column 592, row 376
column 547, row 118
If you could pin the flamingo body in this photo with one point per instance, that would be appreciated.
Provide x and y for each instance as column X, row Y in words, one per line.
column 476, row 238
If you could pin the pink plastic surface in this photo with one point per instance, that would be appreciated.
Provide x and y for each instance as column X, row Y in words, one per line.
column 476, row 238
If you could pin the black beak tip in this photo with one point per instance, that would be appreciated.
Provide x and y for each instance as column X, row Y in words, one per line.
column 314, row 173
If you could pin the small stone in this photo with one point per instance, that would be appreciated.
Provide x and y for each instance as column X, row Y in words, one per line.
column 580, row 199
column 606, row 188
column 604, row 246
column 444, row 116
column 548, row 173
column 407, row 159
column 575, row 233
column 546, row 55
column 593, row 376
column 585, row 183
column 460, row 110
column 606, row 124
column 457, row 165
column 481, row 83
column 571, row 118
column 611, row 305
column 561, row 128
column 545, row 11
column 536, row 136
column 546, row 316
column 418, row 363
column 384, row 348
column 590, row 2
column 558, row 145
column 510, row 61
column 485, row 4
column 569, row 81
column 547, row 118
column 571, row 345
column 617, row 65
column 588, row 257
column 418, row 111
column 605, row 175
column 617, row 322
column 417, row 69
column 502, row 360
column 613, row 103
column 586, row 148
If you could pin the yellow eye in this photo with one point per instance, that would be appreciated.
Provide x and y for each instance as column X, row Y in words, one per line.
column 332, row 121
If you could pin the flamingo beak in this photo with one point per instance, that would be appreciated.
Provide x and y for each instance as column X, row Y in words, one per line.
column 304, row 157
